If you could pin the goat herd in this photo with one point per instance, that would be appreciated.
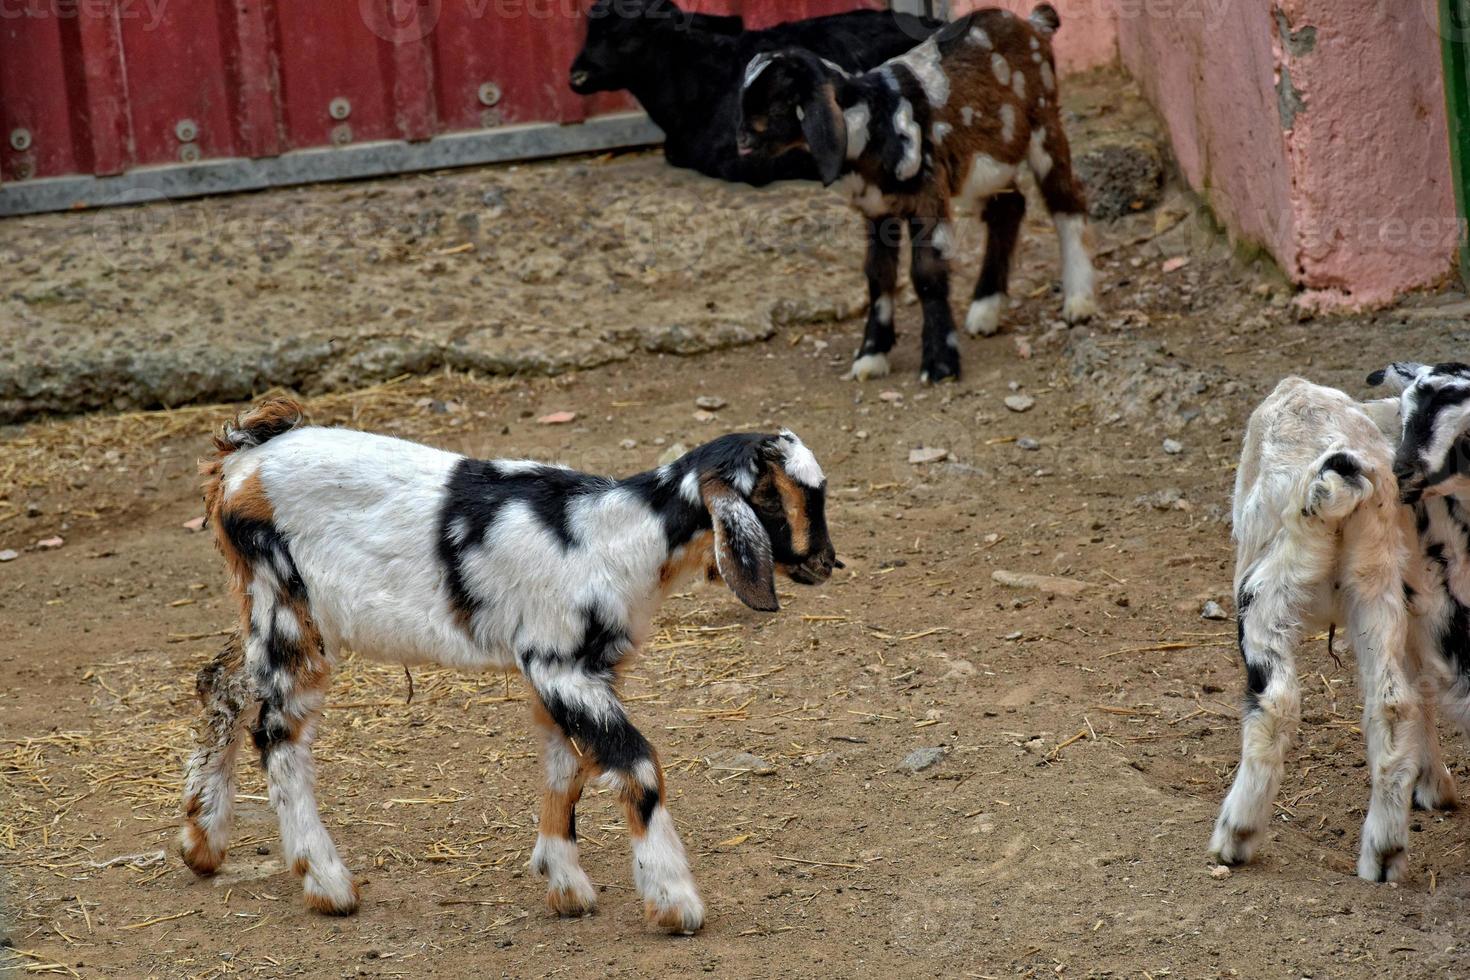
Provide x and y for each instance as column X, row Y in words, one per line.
column 338, row 539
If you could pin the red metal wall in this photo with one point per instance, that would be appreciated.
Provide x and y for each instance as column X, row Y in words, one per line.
column 102, row 86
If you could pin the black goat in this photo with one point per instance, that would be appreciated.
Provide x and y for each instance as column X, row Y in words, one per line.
column 686, row 69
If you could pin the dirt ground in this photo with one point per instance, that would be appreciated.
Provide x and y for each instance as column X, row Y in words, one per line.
column 1084, row 742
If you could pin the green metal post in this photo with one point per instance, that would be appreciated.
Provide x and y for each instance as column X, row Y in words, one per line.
column 1454, row 32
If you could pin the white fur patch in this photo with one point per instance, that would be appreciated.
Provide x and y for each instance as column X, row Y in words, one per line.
column 689, row 488
column 1048, row 77
column 987, row 176
column 913, row 144
column 883, row 309
column 1018, row 83
column 869, row 366
column 968, row 114
column 757, row 65
column 867, row 198
column 1007, row 123
column 944, row 239
column 858, row 118
column 927, row 66
column 941, row 131
column 661, row 874
column 1036, row 155
column 979, row 38
column 1001, row 67
column 801, row 465
column 983, row 318
column 1077, row 288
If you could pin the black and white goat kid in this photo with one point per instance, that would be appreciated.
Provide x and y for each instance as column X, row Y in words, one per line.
column 685, row 69
column 946, row 124
column 1433, row 469
column 342, row 540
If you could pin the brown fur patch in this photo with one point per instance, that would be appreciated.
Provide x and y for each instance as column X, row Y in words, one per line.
column 558, row 806
column 569, row 904
column 200, row 858
column 301, row 866
column 793, row 501
column 696, row 556
column 322, row 904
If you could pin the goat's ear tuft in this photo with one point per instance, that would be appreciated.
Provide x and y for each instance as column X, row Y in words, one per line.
column 1398, row 375
column 825, row 129
column 742, row 547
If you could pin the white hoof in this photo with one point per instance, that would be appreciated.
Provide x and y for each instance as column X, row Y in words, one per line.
column 1233, row 845
column 1381, row 862
column 675, row 907
column 983, row 320
column 569, row 891
column 329, row 888
column 1078, row 309
column 869, row 366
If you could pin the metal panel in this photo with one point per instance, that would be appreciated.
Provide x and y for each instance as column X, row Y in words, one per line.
column 104, row 92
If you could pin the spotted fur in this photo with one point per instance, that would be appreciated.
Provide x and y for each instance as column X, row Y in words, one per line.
column 943, row 127
column 338, row 539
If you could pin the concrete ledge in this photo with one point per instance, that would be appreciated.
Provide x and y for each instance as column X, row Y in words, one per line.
column 378, row 159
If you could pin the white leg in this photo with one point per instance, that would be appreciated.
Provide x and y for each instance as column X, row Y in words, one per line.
column 1267, row 727
column 1078, row 303
column 661, row 873
column 306, row 846
column 1392, row 726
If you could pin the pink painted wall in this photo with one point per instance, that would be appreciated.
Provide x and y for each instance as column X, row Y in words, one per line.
column 1088, row 36
column 1349, row 186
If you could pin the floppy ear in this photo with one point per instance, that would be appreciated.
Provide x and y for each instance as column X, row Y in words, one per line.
column 1398, row 375
column 742, row 547
column 825, row 129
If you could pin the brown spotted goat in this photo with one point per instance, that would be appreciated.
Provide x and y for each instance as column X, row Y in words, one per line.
column 947, row 124
column 341, row 540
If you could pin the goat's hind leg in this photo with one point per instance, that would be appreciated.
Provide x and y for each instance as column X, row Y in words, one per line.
column 1392, row 725
column 1003, row 215
column 1268, row 639
column 209, row 775
column 290, row 667
column 555, row 858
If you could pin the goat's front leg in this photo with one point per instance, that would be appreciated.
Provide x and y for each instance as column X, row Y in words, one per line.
column 1003, row 215
column 885, row 236
column 1268, row 639
column 933, row 238
column 555, row 858
column 584, row 705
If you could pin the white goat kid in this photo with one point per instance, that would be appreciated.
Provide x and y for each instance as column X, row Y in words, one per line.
column 1320, row 539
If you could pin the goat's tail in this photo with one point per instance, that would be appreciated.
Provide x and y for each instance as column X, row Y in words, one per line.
column 256, row 427
column 1046, row 19
column 1340, row 481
